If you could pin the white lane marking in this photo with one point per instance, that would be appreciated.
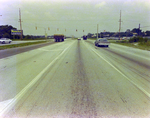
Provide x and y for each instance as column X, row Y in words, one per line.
column 42, row 49
column 5, row 103
column 130, row 50
column 139, row 87
column 24, row 90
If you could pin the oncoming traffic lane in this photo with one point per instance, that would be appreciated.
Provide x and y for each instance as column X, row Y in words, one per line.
column 19, row 42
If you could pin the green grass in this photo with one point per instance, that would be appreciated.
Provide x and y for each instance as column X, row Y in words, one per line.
column 28, row 39
column 139, row 45
column 92, row 38
column 20, row 45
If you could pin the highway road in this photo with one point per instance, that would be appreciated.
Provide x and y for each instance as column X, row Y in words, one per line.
column 75, row 79
column 13, row 51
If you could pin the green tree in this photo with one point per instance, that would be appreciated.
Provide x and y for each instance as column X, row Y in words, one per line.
column 89, row 35
column 136, row 30
column 6, row 35
column 147, row 33
column 5, row 31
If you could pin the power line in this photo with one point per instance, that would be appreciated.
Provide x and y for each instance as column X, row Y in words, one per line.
column 145, row 26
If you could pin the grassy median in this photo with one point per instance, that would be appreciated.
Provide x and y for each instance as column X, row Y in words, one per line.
column 135, row 42
column 139, row 45
column 20, row 45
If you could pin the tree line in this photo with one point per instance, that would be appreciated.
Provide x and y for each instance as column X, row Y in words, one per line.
column 5, row 32
column 127, row 33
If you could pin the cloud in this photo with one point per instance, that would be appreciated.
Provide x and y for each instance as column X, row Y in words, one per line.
column 100, row 4
column 73, row 14
column 138, row 4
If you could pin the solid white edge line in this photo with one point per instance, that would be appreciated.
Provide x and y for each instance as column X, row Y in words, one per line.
column 139, row 87
column 24, row 90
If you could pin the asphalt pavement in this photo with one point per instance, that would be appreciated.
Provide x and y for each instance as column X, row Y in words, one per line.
column 75, row 79
column 14, row 51
column 23, row 41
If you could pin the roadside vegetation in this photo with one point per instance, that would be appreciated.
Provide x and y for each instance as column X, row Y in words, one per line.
column 136, row 42
column 25, row 39
column 21, row 45
column 5, row 32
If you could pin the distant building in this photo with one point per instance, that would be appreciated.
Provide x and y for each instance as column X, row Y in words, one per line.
column 128, row 31
column 94, row 36
column 135, row 34
column 105, row 35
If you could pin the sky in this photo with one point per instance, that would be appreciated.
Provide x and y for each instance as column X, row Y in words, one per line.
column 75, row 17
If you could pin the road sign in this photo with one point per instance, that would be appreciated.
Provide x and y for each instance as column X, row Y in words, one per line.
column 16, row 32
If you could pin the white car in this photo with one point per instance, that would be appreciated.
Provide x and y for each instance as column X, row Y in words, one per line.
column 5, row 40
column 102, row 42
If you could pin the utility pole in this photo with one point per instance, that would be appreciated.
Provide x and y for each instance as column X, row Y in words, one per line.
column 120, row 24
column 97, row 31
column 139, row 30
column 45, row 33
column 20, row 23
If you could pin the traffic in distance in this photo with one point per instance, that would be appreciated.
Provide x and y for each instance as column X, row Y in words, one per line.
column 102, row 42
column 60, row 38
column 99, row 42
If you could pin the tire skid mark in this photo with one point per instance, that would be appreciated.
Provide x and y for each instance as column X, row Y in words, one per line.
column 83, row 105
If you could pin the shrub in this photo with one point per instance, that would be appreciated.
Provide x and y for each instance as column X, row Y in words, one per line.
column 145, row 43
column 138, row 39
column 124, row 41
column 132, row 40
